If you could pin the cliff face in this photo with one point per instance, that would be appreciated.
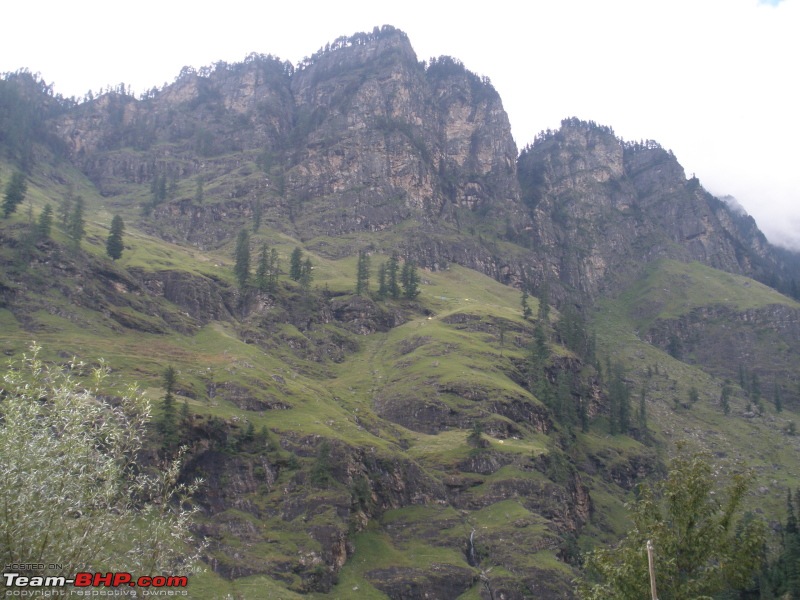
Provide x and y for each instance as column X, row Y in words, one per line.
column 357, row 139
column 602, row 209
column 362, row 140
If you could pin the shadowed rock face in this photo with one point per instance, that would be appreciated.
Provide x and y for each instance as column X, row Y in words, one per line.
column 603, row 208
column 364, row 138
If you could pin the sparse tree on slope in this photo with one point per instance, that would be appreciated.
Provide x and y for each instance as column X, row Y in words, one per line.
column 241, row 267
column 362, row 273
column 15, row 193
column 114, row 244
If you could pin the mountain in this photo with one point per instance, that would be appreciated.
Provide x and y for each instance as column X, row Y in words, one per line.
column 440, row 445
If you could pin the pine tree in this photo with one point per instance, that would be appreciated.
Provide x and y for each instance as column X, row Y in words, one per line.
column 544, row 306
column 383, row 288
column 76, row 226
column 409, row 280
column 45, row 223
column 392, row 273
column 263, row 269
column 241, row 267
column 65, row 209
column 724, row 397
column 776, row 397
column 296, row 264
column 527, row 312
column 167, row 425
column 306, row 274
column 15, row 193
column 362, row 273
column 114, row 244
column 274, row 270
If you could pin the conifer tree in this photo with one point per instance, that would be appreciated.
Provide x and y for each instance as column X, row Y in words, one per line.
column 362, row 273
column 392, row 276
column 409, row 279
column 306, row 274
column 724, row 397
column 114, row 244
column 76, row 225
column 383, row 288
column 262, row 269
column 296, row 264
column 241, row 266
column 167, row 425
column 527, row 312
column 45, row 223
column 274, row 270
column 16, row 189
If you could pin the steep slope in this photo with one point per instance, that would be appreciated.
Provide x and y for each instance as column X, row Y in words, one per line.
column 603, row 209
column 445, row 444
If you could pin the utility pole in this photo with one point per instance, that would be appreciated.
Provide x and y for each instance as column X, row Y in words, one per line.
column 652, row 570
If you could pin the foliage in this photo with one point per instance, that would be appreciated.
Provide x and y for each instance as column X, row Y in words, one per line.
column 296, row 264
column 241, row 266
column 306, row 274
column 409, row 280
column 383, row 288
column 69, row 488
column 321, row 475
column 167, row 426
column 527, row 312
column 392, row 272
column 362, row 273
column 114, row 245
column 76, row 223
column 267, row 269
column 703, row 544
column 16, row 189
column 45, row 223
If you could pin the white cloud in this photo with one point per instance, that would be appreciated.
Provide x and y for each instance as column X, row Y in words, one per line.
column 714, row 80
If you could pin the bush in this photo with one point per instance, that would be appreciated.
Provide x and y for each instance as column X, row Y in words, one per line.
column 70, row 487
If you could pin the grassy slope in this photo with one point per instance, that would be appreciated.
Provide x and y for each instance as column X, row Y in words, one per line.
column 328, row 406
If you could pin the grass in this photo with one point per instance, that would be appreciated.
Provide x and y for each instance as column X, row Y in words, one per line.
column 447, row 350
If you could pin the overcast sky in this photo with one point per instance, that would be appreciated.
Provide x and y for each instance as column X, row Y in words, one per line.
column 716, row 81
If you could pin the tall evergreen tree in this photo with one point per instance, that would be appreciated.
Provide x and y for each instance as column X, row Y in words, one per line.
column 544, row 303
column 296, row 264
column 274, row 270
column 16, row 189
column 262, row 269
column 114, row 244
column 383, row 288
column 393, row 276
column 725, row 397
column 527, row 312
column 168, row 424
column 362, row 273
column 45, row 223
column 241, row 266
column 409, row 279
column 306, row 274
column 76, row 226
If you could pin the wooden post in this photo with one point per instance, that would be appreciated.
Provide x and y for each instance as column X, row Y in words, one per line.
column 652, row 570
